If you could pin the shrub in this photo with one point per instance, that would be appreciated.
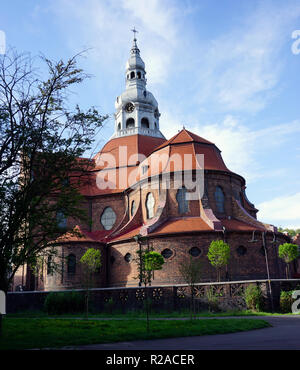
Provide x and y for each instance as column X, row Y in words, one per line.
column 253, row 297
column 64, row 302
column 212, row 299
column 286, row 301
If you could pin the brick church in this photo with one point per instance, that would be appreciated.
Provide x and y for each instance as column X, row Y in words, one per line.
column 175, row 196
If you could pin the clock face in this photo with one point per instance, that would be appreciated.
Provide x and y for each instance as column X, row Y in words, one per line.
column 129, row 107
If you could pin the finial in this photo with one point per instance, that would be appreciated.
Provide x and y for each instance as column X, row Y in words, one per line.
column 134, row 32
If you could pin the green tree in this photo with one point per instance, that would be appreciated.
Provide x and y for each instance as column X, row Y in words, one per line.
column 191, row 274
column 42, row 141
column 148, row 261
column 291, row 232
column 288, row 252
column 90, row 263
column 218, row 255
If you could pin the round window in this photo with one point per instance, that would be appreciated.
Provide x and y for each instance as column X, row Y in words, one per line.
column 195, row 252
column 241, row 250
column 167, row 253
column 128, row 257
column 108, row 218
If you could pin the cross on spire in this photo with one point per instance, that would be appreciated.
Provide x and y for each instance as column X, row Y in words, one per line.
column 134, row 32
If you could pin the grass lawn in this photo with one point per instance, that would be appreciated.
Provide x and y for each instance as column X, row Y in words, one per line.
column 40, row 333
column 141, row 314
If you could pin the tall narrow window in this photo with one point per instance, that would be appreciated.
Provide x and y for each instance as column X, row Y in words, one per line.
column 49, row 266
column 108, row 218
column 133, row 208
column 150, row 205
column 220, row 199
column 61, row 220
column 132, row 75
column 71, row 264
column 183, row 204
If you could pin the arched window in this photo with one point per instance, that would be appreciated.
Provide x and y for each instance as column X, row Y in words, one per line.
column 130, row 123
column 183, row 204
column 241, row 250
column 150, row 205
column 220, row 200
column 119, row 126
column 241, row 199
column 139, row 75
column 108, row 218
column 61, row 220
column 145, row 122
column 71, row 264
column 133, row 207
column 132, row 75
column 49, row 266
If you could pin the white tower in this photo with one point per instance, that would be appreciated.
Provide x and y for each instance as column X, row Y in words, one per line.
column 136, row 108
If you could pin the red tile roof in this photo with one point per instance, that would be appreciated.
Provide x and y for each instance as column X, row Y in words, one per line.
column 134, row 144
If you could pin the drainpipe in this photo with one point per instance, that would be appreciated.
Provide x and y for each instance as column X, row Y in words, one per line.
column 224, row 231
column 267, row 266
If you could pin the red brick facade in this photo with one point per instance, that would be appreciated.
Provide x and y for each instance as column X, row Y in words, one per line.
column 201, row 223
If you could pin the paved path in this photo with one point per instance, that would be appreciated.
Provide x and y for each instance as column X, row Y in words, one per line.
column 284, row 334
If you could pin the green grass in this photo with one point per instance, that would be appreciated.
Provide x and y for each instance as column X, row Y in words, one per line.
column 142, row 314
column 55, row 333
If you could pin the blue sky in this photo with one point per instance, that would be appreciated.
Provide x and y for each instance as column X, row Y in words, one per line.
column 223, row 69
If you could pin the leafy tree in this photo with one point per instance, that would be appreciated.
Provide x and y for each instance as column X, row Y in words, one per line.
column 291, row 232
column 148, row 261
column 42, row 141
column 218, row 255
column 191, row 274
column 288, row 252
column 91, row 263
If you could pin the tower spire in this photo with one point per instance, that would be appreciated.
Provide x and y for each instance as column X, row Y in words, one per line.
column 136, row 108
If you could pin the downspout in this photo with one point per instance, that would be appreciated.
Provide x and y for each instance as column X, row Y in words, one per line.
column 224, row 231
column 267, row 265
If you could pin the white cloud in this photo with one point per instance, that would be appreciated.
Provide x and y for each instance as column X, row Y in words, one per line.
column 105, row 27
column 241, row 69
column 242, row 147
column 284, row 209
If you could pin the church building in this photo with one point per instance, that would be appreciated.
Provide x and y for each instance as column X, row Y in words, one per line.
column 173, row 196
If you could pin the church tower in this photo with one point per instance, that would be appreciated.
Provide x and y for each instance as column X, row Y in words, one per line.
column 136, row 108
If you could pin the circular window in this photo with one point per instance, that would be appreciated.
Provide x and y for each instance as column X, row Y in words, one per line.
column 241, row 250
column 108, row 218
column 167, row 253
column 195, row 252
column 128, row 257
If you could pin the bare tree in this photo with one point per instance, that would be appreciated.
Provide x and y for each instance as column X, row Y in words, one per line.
column 42, row 141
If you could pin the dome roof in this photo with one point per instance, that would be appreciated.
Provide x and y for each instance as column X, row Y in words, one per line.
column 183, row 148
column 134, row 95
